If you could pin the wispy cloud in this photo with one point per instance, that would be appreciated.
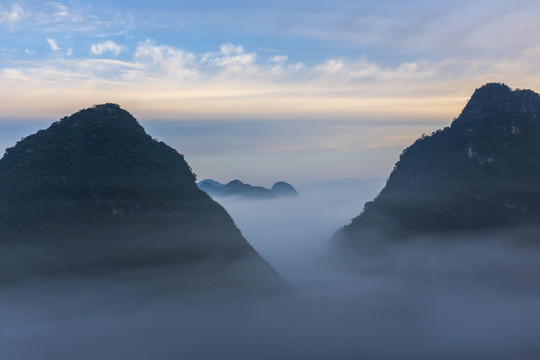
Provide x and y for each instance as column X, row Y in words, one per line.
column 58, row 19
column 107, row 46
column 278, row 58
column 344, row 60
column 52, row 43
column 231, row 57
column 160, row 62
column 331, row 66
column 170, row 82
column 60, row 9
column 12, row 16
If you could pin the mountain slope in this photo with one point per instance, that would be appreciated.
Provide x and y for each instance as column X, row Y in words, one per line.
column 482, row 172
column 94, row 193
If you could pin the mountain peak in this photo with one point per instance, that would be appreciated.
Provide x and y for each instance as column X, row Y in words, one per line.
column 94, row 193
column 494, row 102
column 97, row 153
column 493, row 96
column 283, row 189
column 234, row 183
column 109, row 117
column 493, row 87
column 237, row 188
column 482, row 172
column 107, row 107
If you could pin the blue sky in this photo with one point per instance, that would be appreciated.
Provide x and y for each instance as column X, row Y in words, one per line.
column 266, row 90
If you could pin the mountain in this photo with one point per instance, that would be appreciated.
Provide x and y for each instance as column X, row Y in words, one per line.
column 209, row 182
column 94, row 194
column 235, row 188
column 480, row 173
column 283, row 189
column 238, row 189
column 209, row 186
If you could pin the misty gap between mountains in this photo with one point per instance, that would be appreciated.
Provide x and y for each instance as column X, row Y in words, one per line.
column 421, row 301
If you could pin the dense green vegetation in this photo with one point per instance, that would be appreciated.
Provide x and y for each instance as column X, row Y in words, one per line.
column 482, row 172
column 94, row 192
column 96, row 159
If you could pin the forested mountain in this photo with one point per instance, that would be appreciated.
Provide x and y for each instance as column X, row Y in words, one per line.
column 94, row 193
column 480, row 173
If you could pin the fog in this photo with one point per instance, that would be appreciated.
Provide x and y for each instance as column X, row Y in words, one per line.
column 457, row 298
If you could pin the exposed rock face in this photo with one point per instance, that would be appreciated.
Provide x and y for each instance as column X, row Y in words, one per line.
column 482, row 172
column 94, row 193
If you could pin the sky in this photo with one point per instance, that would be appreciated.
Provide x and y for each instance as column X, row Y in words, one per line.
column 301, row 91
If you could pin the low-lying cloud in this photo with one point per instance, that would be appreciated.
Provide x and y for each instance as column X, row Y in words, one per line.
column 467, row 300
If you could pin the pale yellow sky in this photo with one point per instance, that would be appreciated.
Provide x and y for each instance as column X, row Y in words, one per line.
column 245, row 90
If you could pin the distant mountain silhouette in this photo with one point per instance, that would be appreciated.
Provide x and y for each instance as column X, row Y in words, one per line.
column 482, row 172
column 209, row 182
column 211, row 187
column 283, row 189
column 238, row 189
column 94, row 193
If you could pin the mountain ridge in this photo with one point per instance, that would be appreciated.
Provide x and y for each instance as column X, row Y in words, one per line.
column 238, row 189
column 481, row 172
